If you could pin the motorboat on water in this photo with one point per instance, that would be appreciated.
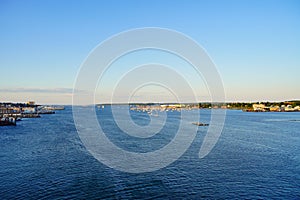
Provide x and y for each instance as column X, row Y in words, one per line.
column 7, row 121
column 200, row 124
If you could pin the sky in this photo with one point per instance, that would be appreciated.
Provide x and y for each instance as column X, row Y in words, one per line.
column 255, row 45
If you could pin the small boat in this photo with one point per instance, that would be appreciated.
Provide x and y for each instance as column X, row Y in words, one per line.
column 200, row 124
column 7, row 121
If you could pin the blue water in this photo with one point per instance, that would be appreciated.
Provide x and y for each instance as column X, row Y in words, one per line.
column 256, row 157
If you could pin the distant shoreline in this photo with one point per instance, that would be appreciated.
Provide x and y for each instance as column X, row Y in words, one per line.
column 266, row 106
column 284, row 106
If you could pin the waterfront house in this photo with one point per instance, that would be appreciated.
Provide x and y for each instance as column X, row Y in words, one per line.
column 289, row 108
column 297, row 108
column 258, row 107
column 274, row 108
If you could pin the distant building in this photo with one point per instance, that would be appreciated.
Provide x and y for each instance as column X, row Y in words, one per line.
column 17, row 109
column 31, row 103
column 175, row 105
column 282, row 108
column 29, row 110
column 274, row 108
column 289, row 108
column 258, row 107
column 5, row 110
column 297, row 108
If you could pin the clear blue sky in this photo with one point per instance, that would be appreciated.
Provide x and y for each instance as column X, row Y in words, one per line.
column 254, row 44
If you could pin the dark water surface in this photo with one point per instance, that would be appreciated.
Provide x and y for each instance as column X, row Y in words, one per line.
column 256, row 157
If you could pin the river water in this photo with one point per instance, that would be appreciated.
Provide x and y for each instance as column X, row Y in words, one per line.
column 256, row 157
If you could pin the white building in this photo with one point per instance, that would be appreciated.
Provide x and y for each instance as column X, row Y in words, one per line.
column 258, row 107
